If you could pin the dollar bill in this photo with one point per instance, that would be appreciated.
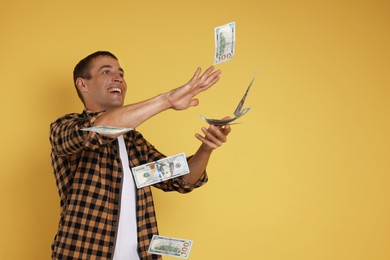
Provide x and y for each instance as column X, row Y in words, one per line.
column 107, row 129
column 161, row 170
column 170, row 246
column 238, row 112
column 225, row 38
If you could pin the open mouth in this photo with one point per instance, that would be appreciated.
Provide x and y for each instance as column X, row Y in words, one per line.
column 115, row 90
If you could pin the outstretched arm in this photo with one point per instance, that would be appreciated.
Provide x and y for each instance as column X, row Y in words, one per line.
column 180, row 98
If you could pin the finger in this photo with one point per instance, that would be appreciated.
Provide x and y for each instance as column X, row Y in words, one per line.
column 212, row 81
column 220, row 132
column 206, row 142
column 212, row 136
column 196, row 75
column 194, row 102
column 206, row 73
column 207, row 86
column 212, row 77
column 226, row 128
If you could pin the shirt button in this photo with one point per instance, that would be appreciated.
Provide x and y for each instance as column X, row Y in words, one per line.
column 114, row 223
column 116, row 201
column 119, row 176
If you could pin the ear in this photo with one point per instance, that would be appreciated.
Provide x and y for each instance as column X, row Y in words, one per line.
column 81, row 85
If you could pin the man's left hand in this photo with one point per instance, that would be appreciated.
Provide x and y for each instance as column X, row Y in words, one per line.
column 214, row 136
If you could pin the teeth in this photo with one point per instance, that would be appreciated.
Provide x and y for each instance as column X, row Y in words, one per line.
column 116, row 90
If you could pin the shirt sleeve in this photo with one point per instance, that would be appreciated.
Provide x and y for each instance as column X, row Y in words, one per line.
column 66, row 136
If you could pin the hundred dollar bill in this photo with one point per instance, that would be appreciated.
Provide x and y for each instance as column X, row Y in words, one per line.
column 107, row 129
column 239, row 112
column 225, row 38
column 170, row 246
column 161, row 170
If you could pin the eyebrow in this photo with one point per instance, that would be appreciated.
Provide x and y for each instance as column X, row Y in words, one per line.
column 110, row 67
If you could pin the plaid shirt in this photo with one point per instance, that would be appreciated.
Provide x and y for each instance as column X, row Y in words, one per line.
column 88, row 175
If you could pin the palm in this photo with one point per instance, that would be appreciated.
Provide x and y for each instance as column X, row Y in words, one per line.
column 184, row 97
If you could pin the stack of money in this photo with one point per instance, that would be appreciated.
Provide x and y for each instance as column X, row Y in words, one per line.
column 239, row 112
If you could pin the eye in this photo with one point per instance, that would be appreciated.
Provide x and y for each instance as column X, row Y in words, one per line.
column 106, row 72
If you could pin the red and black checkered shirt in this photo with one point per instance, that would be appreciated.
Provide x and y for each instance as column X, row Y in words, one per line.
column 88, row 174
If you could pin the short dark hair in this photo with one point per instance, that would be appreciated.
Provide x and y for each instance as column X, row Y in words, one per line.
column 82, row 69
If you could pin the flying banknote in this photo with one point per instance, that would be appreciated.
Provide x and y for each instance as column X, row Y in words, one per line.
column 225, row 39
column 111, row 130
column 169, row 246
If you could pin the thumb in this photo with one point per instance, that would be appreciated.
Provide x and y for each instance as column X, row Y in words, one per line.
column 194, row 102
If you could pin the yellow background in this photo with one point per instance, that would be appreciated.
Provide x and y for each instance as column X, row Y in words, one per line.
column 305, row 176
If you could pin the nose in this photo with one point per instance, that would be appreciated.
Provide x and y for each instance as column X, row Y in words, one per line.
column 118, row 78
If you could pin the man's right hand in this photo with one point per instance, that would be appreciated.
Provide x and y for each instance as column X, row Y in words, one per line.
column 184, row 97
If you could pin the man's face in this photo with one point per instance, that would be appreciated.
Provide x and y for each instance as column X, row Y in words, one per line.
column 107, row 87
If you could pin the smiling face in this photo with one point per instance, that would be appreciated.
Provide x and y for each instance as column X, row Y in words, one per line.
column 106, row 88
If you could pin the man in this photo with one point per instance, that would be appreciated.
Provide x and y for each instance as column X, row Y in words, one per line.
column 103, row 215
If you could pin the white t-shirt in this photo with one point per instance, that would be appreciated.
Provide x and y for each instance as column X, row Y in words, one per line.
column 126, row 241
